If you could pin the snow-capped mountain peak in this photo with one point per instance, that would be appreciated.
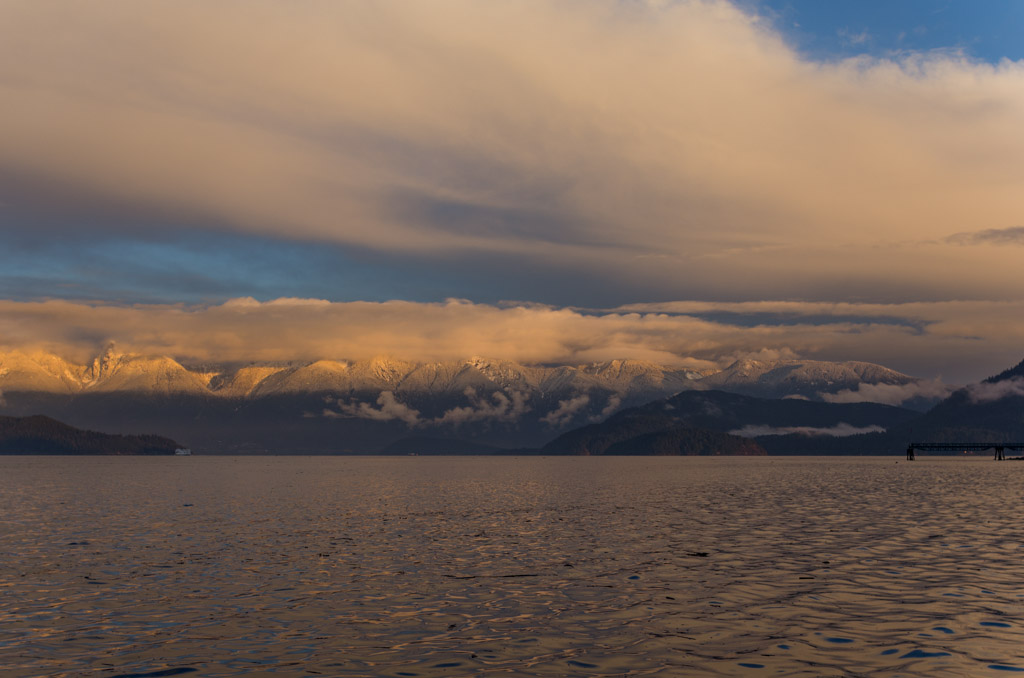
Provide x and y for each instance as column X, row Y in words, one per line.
column 808, row 378
column 118, row 371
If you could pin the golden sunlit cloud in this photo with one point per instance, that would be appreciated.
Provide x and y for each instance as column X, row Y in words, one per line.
column 921, row 339
column 661, row 142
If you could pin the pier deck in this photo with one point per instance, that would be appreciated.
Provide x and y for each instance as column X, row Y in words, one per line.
column 998, row 449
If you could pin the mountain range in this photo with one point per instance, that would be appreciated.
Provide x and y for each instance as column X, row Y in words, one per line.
column 114, row 371
column 988, row 412
column 365, row 406
column 120, row 372
column 491, row 406
column 642, row 429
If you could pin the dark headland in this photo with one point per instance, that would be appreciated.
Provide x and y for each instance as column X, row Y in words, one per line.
column 43, row 435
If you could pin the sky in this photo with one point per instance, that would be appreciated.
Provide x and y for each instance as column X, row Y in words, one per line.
column 688, row 182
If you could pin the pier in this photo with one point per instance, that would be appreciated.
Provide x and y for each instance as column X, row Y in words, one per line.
column 997, row 448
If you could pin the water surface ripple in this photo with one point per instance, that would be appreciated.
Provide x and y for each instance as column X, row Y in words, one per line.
column 232, row 566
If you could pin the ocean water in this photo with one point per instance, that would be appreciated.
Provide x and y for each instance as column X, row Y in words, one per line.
column 476, row 566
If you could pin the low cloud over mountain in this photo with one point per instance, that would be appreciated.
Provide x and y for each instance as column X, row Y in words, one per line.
column 924, row 339
column 989, row 391
column 840, row 430
column 891, row 394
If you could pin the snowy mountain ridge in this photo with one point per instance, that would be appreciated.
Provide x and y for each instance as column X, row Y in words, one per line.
column 801, row 378
column 118, row 372
column 331, row 405
column 115, row 371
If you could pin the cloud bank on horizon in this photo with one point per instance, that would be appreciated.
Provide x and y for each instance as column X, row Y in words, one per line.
column 921, row 339
column 646, row 151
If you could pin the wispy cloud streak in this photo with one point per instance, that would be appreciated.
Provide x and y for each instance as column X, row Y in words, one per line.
column 841, row 430
column 992, row 236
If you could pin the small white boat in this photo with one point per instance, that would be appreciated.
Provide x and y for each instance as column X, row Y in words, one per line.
column 182, row 452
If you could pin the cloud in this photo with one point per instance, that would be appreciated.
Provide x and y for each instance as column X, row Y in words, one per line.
column 963, row 341
column 992, row 236
column 849, row 37
column 390, row 409
column 989, row 391
column 614, row 402
column 840, row 430
column 889, row 394
column 765, row 354
column 917, row 338
column 566, row 410
column 499, row 407
column 664, row 146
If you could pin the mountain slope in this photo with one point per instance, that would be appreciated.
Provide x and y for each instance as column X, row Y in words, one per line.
column 730, row 413
column 990, row 411
column 115, row 372
column 39, row 372
column 637, row 431
column 1017, row 371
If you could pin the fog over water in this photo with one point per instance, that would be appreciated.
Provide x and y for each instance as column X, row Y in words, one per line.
column 230, row 566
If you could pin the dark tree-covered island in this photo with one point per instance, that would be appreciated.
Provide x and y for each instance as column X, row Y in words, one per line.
column 43, row 435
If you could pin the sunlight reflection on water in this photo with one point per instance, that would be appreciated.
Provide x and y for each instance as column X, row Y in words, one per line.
column 230, row 566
